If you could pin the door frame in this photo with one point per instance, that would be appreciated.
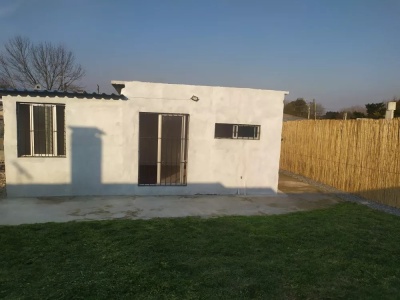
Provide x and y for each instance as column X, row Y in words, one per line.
column 183, row 163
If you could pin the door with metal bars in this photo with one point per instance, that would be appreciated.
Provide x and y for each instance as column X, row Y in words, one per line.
column 163, row 140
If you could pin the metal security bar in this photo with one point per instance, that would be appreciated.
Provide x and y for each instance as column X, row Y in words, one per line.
column 41, row 129
column 163, row 140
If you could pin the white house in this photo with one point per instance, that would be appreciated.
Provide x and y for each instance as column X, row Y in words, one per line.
column 150, row 139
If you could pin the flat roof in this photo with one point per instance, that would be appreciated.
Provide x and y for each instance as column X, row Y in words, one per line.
column 118, row 84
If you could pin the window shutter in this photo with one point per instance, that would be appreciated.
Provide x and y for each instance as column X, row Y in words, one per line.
column 23, row 130
column 60, row 112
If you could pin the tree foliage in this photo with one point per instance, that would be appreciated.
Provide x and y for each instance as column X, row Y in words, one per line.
column 333, row 115
column 371, row 110
column 355, row 108
column 338, row 115
column 24, row 64
column 357, row 115
column 297, row 108
column 376, row 110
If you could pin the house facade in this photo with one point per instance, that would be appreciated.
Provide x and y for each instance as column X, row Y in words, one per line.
column 150, row 139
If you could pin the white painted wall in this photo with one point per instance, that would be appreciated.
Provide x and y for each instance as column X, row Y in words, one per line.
column 102, row 143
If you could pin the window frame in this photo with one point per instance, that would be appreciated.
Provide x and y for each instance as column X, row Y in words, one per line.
column 235, row 132
column 160, row 138
column 54, row 133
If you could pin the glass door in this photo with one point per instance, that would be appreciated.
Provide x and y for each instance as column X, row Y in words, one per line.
column 162, row 149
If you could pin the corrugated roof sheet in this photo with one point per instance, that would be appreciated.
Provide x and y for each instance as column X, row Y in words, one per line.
column 55, row 93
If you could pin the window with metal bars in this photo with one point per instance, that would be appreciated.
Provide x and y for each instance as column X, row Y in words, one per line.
column 40, row 129
column 237, row 131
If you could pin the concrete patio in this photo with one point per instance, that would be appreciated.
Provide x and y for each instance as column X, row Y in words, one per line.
column 294, row 196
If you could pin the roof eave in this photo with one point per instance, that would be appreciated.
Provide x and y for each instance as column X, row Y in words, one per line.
column 60, row 94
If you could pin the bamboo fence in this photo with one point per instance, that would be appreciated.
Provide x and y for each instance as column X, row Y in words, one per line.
column 356, row 156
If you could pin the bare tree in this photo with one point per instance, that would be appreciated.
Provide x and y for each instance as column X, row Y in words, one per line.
column 24, row 64
column 3, row 84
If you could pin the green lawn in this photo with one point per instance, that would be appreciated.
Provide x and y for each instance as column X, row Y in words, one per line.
column 347, row 251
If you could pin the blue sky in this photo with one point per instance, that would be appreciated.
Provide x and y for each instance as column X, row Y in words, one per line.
column 340, row 52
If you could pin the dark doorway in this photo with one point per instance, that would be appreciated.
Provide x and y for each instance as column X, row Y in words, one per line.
column 163, row 148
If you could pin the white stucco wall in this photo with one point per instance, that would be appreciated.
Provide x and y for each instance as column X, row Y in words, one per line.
column 102, row 143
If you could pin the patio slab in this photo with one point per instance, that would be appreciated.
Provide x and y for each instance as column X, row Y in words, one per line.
column 294, row 196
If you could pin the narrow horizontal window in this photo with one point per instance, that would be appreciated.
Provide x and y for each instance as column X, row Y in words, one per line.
column 40, row 129
column 237, row 131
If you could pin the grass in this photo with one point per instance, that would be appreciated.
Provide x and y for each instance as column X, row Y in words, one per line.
column 347, row 251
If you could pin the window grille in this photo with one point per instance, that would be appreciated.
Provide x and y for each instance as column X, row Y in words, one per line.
column 41, row 129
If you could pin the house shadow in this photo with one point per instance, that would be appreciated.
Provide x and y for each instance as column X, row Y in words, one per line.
column 86, row 156
column 86, row 176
